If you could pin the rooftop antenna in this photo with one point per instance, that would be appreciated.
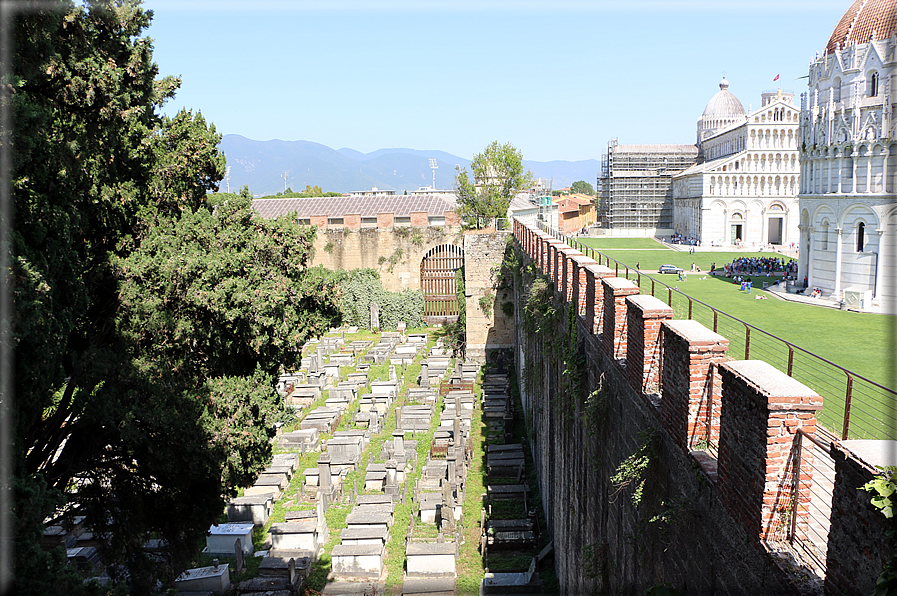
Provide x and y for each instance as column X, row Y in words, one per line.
column 433, row 167
column 285, row 176
column 227, row 178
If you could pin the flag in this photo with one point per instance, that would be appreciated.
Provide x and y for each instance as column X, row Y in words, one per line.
column 775, row 79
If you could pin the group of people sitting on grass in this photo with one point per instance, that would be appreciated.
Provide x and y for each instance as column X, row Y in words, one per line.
column 760, row 266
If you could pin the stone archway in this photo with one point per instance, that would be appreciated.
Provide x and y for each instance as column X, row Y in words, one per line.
column 437, row 280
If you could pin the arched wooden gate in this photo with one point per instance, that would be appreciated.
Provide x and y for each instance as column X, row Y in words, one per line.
column 437, row 280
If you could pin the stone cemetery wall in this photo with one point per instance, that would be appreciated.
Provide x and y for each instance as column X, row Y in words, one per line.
column 492, row 328
column 395, row 252
column 622, row 404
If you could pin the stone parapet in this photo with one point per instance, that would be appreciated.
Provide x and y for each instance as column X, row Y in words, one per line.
column 614, row 334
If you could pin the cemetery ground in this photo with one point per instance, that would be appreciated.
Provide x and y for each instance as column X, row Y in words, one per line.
column 471, row 566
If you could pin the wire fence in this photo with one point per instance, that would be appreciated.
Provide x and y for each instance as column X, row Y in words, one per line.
column 854, row 407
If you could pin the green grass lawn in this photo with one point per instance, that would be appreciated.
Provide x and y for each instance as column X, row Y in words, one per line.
column 863, row 343
column 624, row 243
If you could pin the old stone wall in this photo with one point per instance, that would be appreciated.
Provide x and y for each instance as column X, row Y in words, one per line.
column 858, row 528
column 488, row 328
column 396, row 252
column 629, row 504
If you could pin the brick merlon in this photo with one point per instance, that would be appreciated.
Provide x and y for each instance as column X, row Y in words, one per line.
column 651, row 307
column 620, row 284
column 774, row 385
column 695, row 333
column 601, row 270
column 583, row 261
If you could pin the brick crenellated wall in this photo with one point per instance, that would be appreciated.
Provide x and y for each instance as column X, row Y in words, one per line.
column 568, row 256
column 613, row 335
column 690, row 383
column 705, row 524
column 761, row 412
column 644, row 314
column 858, row 545
column 595, row 296
column 580, row 289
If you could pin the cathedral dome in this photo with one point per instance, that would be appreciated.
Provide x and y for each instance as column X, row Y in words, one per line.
column 724, row 104
column 722, row 111
column 862, row 20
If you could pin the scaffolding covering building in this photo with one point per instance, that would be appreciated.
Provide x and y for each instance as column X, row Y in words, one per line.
column 636, row 187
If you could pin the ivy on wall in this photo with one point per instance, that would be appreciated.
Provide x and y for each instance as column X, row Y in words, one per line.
column 361, row 287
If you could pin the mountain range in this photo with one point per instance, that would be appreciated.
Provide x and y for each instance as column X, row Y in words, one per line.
column 261, row 164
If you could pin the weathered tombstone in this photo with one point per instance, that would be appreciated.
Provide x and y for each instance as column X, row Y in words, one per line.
column 292, row 571
column 398, row 442
column 324, row 482
column 424, row 374
column 399, row 418
column 375, row 316
column 238, row 551
column 392, row 372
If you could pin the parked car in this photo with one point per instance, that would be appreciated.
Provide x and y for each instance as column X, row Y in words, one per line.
column 670, row 269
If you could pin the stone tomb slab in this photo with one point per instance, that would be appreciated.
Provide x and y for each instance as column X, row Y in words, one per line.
column 357, row 560
column 367, row 588
column 304, row 534
column 364, row 535
column 253, row 508
column 214, row 579
column 221, row 539
column 364, row 517
column 428, row 503
column 429, row 586
column 431, row 559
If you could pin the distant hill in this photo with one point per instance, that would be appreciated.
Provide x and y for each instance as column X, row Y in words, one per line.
column 260, row 164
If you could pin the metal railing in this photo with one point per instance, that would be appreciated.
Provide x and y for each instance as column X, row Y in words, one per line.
column 854, row 406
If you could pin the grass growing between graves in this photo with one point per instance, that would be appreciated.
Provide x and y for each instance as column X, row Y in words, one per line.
column 470, row 567
column 395, row 547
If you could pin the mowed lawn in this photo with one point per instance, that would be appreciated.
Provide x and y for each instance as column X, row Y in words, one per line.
column 863, row 343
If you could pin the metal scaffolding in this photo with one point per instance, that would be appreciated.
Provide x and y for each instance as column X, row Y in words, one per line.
column 636, row 184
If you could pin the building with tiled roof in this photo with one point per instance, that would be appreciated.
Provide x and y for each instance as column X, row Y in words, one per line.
column 363, row 211
column 575, row 211
column 848, row 157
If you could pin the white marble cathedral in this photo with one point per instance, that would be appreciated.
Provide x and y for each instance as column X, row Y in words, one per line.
column 743, row 190
column 848, row 139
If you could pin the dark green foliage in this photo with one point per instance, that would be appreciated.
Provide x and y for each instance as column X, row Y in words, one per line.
column 456, row 333
column 361, row 287
column 582, row 187
column 149, row 322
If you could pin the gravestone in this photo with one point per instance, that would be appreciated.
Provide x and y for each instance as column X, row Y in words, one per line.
column 238, row 551
column 375, row 316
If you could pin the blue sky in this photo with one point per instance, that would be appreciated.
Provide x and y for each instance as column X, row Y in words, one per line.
column 557, row 79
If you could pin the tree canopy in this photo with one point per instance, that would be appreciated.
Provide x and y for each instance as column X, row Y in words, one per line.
column 149, row 322
column 582, row 187
column 498, row 175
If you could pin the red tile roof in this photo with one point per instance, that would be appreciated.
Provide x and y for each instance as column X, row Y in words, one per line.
column 399, row 205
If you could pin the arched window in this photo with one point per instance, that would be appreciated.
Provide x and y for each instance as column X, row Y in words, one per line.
column 836, row 90
column 861, row 236
column 873, row 85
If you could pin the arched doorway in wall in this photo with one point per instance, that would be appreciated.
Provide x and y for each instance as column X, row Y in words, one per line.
column 776, row 224
column 736, row 229
column 437, row 281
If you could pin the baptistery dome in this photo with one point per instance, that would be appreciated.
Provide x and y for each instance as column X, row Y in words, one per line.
column 722, row 110
column 862, row 20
